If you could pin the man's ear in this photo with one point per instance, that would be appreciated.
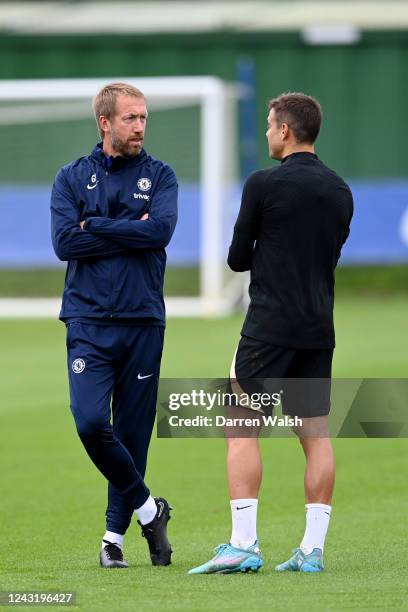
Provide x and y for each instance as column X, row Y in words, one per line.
column 285, row 131
column 104, row 123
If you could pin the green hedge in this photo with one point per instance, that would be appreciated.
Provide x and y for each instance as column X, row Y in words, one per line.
column 48, row 282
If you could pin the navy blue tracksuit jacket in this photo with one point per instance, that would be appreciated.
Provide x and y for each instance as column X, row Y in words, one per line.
column 114, row 309
column 116, row 266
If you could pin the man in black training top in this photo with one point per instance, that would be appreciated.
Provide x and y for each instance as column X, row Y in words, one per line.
column 293, row 221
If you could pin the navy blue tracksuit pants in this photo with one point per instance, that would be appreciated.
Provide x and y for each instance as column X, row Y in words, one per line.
column 113, row 379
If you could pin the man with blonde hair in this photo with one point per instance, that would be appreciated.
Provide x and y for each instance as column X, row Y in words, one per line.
column 113, row 212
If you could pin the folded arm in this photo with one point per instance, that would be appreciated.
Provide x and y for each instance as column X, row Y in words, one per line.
column 68, row 239
column 152, row 233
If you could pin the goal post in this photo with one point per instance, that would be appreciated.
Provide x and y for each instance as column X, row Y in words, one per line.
column 35, row 103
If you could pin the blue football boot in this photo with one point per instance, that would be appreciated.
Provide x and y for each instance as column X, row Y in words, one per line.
column 313, row 562
column 229, row 559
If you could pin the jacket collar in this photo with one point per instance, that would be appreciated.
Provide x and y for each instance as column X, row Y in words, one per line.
column 299, row 155
column 118, row 162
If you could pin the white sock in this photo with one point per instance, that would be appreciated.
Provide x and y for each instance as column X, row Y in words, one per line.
column 114, row 538
column 317, row 523
column 147, row 512
column 243, row 514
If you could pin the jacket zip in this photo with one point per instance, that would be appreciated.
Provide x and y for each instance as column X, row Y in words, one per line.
column 111, row 298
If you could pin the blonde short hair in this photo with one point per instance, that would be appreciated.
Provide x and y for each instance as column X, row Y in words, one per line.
column 104, row 103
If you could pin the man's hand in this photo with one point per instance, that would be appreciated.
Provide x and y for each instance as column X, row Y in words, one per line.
column 81, row 224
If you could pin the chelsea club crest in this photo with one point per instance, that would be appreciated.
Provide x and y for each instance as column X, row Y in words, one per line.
column 144, row 184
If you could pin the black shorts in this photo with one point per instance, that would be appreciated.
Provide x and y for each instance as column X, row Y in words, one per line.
column 302, row 377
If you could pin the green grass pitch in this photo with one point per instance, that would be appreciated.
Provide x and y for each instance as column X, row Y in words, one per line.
column 53, row 500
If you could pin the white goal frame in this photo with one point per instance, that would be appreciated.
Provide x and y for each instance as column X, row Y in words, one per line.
column 218, row 143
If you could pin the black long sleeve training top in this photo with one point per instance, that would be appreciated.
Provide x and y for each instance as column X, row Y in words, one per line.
column 293, row 221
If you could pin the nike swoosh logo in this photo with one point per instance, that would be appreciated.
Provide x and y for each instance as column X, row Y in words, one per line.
column 243, row 507
column 160, row 509
column 92, row 186
column 140, row 377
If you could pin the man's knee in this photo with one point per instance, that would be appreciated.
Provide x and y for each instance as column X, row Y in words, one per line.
column 91, row 426
column 312, row 427
column 242, row 445
column 320, row 446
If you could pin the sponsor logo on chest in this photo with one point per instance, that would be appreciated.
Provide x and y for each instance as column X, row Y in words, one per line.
column 93, row 182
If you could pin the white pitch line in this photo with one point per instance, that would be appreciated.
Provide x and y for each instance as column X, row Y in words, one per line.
column 43, row 308
column 29, row 308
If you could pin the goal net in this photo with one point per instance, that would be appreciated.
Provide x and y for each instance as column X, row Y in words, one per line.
column 192, row 126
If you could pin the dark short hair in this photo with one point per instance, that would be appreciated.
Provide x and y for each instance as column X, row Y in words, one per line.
column 302, row 113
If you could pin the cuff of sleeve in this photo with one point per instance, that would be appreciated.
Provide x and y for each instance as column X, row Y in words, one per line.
column 88, row 223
